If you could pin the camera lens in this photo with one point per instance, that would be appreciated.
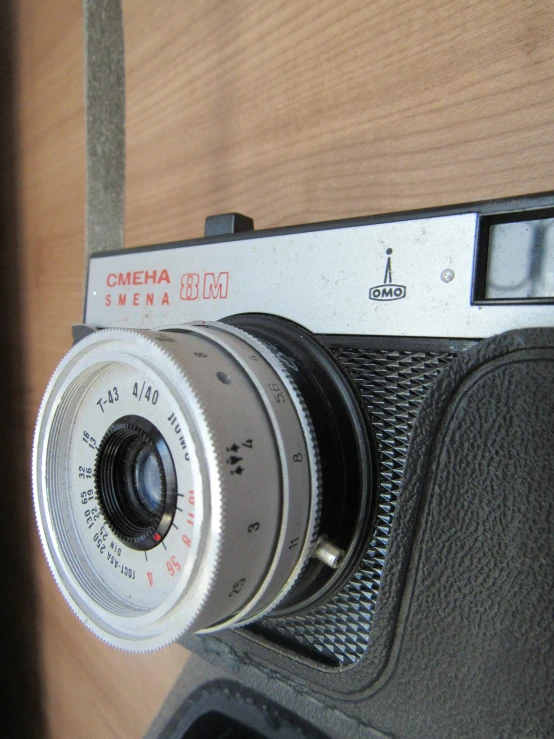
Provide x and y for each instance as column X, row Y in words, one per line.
column 149, row 452
column 135, row 482
column 178, row 484
column 148, row 478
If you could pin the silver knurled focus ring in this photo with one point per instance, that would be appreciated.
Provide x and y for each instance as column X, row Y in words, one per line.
column 45, row 530
column 312, row 528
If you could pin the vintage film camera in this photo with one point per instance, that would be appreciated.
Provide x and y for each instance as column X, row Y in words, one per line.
column 321, row 458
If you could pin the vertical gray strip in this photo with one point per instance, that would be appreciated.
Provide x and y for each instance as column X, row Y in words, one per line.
column 105, row 124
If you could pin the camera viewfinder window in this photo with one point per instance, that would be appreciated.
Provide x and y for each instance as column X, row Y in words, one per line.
column 521, row 260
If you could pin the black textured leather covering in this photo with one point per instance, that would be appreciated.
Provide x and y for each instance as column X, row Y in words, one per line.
column 392, row 384
column 469, row 575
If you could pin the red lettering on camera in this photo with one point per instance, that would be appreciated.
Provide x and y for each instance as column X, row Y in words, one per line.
column 215, row 286
column 173, row 566
column 139, row 277
column 189, row 286
column 137, row 300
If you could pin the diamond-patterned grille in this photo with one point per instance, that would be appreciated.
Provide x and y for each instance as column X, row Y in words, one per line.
column 393, row 385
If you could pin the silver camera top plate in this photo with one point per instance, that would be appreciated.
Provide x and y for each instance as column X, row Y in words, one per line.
column 401, row 278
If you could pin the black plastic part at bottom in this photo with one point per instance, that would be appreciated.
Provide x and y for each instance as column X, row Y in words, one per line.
column 225, row 710
column 347, row 452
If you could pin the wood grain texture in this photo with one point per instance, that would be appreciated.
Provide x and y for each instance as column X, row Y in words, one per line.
column 289, row 112
column 89, row 689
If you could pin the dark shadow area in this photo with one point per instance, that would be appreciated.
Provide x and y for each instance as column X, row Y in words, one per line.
column 21, row 712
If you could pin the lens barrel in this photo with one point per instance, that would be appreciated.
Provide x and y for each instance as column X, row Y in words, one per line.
column 176, row 482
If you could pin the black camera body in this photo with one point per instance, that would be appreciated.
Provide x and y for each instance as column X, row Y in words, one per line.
column 442, row 622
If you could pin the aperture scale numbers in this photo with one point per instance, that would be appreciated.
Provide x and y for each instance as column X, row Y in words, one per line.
column 102, row 536
column 174, row 563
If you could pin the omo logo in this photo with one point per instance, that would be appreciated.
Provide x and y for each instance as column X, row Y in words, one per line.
column 387, row 291
column 209, row 286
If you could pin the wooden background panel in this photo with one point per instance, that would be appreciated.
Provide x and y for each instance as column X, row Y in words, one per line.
column 289, row 112
column 88, row 688
column 294, row 112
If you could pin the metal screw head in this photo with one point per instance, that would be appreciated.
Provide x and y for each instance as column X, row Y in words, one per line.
column 447, row 275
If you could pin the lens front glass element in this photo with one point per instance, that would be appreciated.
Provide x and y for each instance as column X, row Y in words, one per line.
column 135, row 482
column 148, row 479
